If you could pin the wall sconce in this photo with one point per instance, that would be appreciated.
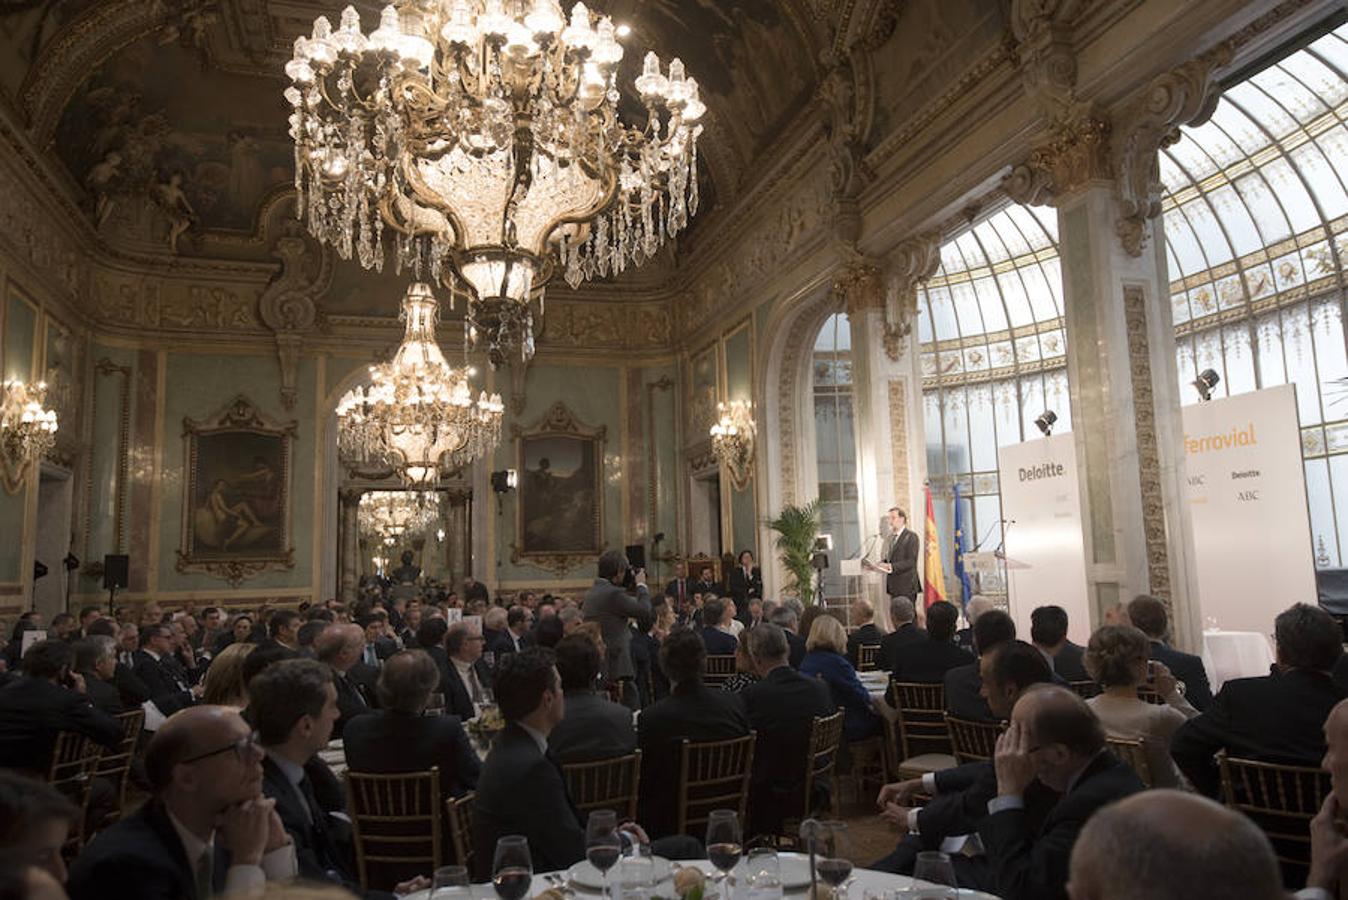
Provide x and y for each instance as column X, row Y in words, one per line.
column 27, row 430
column 732, row 440
column 1045, row 421
column 1205, row 382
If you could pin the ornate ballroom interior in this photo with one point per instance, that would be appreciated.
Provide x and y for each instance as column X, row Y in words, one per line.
column 918, row 224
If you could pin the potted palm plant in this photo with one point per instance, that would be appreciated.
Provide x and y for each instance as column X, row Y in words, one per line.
column 797, row 527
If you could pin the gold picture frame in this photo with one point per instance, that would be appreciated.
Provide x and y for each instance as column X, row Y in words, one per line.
column 559, row 521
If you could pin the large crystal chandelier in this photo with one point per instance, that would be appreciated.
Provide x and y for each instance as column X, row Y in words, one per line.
column 387, row 516
column 418, row 415
column 482, row 138
column 27, row 430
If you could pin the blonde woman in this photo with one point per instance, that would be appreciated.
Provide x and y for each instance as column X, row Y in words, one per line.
column 223, row 684
column 1116, row 657
column 826, row 658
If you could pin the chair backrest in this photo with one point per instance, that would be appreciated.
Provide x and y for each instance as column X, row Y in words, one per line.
column 720, row 666
column 460, row 814
column 866, row 657
column 1150, row 696
column 395, row 824
column 1281, row 799
column 973, row 741
column 435, row 706
column 74, row 759
column 822, row 757
column 115, row 766
column 1085, row 689
column 921, row 719
column 713, row 775
column 605, row 784
column 1134, row 753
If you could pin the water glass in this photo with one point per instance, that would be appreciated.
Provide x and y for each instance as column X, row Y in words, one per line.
column 450, row 883
column 936, row 869
column 763, row 874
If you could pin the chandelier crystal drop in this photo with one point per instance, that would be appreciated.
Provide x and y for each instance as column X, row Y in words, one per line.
column 481, row 138
column 382, row 515
column 418, row 415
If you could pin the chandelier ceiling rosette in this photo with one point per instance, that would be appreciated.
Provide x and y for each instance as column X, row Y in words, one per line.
column 418, row 415
column 482, row 139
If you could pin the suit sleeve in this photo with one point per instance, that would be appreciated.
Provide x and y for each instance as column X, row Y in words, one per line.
column 165, row 695
column 466, row 764
column 132, row 689
column 638, row 607
column 1198, row 739
column 95, row 724
column 1027, row 867
column 1196, row 688
column 905, row 553
column 126, row 876
column 555, row 827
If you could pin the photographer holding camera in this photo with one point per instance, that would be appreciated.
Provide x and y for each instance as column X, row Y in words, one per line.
column 609, row 604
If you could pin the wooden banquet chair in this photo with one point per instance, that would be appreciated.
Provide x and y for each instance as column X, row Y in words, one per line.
column 973, row 741
column 713, row 775
column 115, row 766
column 605, row 784
column 1134, row 753
column 866, row 657
column 919, row 739
column 459, row 812
column 720, row 666
column 1281, row 800
column 74, row 760
column 395, row 825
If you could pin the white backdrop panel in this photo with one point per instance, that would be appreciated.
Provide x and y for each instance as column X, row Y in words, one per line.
column 1042, row 502
column 1247, row 499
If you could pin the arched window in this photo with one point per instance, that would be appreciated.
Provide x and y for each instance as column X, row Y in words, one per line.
column 993, row 356
column 836, row 450
column 1256, row 226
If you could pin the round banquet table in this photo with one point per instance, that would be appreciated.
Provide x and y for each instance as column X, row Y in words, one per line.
column 864, row 883
column 1235, row 654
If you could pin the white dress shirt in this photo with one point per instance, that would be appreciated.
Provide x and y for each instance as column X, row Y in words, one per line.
column 278, row 865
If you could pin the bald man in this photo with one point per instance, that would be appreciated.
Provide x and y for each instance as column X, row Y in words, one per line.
column 1329, row 835
column 206, row 831
column 1053, row 773
column 341, row 647
column 1170, row 845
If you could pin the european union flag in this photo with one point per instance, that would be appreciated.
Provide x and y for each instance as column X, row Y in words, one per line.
column 961, row 545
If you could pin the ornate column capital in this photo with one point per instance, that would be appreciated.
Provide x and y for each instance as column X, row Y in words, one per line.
column 287, row 307
column 1043, row 33
column 858, row 287
column 1072, row 154
column 911, row 263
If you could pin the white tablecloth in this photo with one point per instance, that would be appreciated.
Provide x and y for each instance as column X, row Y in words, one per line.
column 1235, row 654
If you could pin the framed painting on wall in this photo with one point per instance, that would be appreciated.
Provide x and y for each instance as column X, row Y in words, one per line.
column 236, row 494
column 560, row 513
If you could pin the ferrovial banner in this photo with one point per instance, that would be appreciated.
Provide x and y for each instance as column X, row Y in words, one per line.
column 1247, row 500
column 1045, row 556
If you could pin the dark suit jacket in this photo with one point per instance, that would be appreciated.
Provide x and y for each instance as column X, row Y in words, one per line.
column 928, row 661
column 611, row 606
column 860, row 720
column 458, row 697
column 498, row 643
column 718, row 642
column 1069, row 663
column 593, row 728
column 691, row 711
column 132, row 690
column 741, row 588
column 1275, row 718
column 1187, row 668
column 960, row 804
column 351, row 701
column 102, row 694
column 522, row 791
column 866, row 634
column 165, row 682
column 797, row 645
column 892, row 644
column 707, row 587
column 902, row 580
column 33, row 710
column 317, row 850
column 141, row 857
column 963, row 699
column 672, row 590
column 387, row 741
column 1029, row 848
column 781, row 709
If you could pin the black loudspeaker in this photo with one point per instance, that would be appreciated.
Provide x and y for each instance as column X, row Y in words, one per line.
column 39, row 569
column 116, row 569
column 636, row 555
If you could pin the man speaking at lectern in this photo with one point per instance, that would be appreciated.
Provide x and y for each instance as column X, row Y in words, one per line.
column 901, row 556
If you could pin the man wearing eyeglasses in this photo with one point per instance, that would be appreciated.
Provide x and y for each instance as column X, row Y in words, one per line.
column 207, row 831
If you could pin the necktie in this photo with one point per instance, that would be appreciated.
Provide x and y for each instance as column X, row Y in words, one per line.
column 370, row 658
column 474, row 686
column 203, row 875
column 680, row 590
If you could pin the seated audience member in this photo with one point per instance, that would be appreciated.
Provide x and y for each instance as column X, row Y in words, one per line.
column 35, row 820
column 519, row 625
column 903, row 616
column 593, row 727
column 63, row 627
column 131, row 690
column 977, row 605
column 398, row 738
column 468, row 678
column 239, row 631
column 206, row 831
column 964, row 697
column 495, row 639
column 154, row 665
column 719, row 642
column 745, row 672
column 522, row 789
column 283, row 627
column 570, row 617
column 49, row 699
column 96, row 662
column 1053, row 774
column 692, row 712
column 224, row 684
column 22, row 879
column 549, row 632
column 781, row 707
column 307, row 636
column 412, row 618
column 866, row 633
column 753, row 617
column 1116, row 659
column 339, row 648
column 1329, row 837
column 88, row 616
column 960, row 794
column 1149, row 615
column 826, row 659
column 128, row 642
column 1275, row 718
column 786, row 618
column 1048, row 632
column 1168, row 845
column 431, row 638
column 926, row 662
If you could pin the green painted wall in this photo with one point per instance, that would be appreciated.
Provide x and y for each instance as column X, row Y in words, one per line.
column 662, row 439
column 20, row 324
column 739, row 386
column 104, row 488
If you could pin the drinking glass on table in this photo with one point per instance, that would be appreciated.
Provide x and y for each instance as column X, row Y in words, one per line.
column 512, row 869
column 450, row 883
column 934, row 867
column 834, row 852
column 763, row 874
column 723, row 841
column 603, row 846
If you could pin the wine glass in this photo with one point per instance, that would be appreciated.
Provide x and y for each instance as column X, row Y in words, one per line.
column 723, row 841
column 835, row 856
column 450, row 882
column 603, row 846
column 512, row 868
column 935, row 868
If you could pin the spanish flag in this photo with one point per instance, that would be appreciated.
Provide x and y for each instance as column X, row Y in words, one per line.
column 932, row 572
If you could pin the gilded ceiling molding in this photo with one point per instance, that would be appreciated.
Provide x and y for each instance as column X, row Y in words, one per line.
column 1043, row 31
column 911, row 263
column 287, row 306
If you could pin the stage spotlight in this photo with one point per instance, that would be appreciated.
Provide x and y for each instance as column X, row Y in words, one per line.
column 1205, row 382
column 504, row 480
column 1045, row 421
